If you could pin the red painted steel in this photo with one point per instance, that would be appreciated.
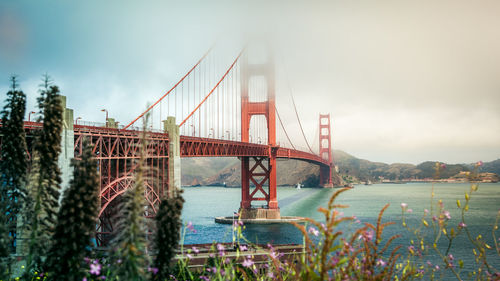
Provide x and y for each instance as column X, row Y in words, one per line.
column 325, row 149
column 248, row 110
column 117, row 152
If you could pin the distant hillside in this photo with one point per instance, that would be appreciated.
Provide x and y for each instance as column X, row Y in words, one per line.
column 363, row 170
column 216, row 171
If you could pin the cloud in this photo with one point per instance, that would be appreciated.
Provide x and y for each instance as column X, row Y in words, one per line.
column 397, row 77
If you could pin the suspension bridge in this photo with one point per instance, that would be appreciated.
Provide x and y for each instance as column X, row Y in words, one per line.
column 212, row 111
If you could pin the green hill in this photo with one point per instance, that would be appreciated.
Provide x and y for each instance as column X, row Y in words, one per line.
column 216, row 171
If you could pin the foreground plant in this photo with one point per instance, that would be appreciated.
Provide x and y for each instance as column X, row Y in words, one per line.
column 75, row 221
column 45, row 179
column 129, row 246
column 168, row 227
column 12, row 171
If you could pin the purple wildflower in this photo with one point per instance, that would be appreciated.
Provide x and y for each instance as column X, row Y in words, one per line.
column 381, row 262
column 154, row 270
column 462, row 225
column 95, row 268
column 189, row 256
column 447, row 214
column 205, row 278
column 273, row 255
column 243, row 247
column 314, row 231
column 270, row 274
column 367, row 235
column 191, row 227
column 84, row 279
column 450, row 257
column 248, row 262
column 195, row 250
column 426, row 211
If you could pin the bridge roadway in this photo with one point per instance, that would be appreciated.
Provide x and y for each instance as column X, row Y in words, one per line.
column 195, row 146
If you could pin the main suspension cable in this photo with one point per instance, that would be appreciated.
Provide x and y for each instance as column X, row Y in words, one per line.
column 168, row 92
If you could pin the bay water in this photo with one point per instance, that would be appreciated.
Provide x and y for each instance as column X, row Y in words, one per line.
column 203, row 204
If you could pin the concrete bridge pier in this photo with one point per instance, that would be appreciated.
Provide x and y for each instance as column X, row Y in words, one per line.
column 174, row 155
column 67, row 146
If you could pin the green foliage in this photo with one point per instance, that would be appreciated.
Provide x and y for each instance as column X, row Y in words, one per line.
column 13, row 165
column 76, row 220
column 130, row 242
column 45, row 179
column 168, row 227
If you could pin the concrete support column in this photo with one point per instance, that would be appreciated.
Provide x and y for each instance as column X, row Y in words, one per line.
column 174, row 154
column 67, row 146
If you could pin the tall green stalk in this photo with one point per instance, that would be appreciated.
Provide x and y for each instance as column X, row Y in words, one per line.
column 12, row 171
column 76, row 221
column 45, row 178
column 168, row 227
column 130, row 243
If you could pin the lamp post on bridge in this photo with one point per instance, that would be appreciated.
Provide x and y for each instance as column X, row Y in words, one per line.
column 228, row 135
column 105, row 110
column 212, row 132
column 193, row 129
column 76, row 120
column 29, row 115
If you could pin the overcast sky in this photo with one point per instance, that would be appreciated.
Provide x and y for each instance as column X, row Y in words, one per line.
column 404, row 81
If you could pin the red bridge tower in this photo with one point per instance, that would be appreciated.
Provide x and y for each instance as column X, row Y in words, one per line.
column 258, row 171
column 325, row 150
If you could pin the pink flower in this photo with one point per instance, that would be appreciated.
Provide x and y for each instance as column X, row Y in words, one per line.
column 248, row 262
column 409, row 211
column 191, row 227
column 462, row 225
column 380, row 262
column 243, row 248
column 314, row 231
column 447, row 214
column 95, row 268
column 195, row 250
column 404, row 205
column 273, row 255
column 154, row 270
column 426, row 211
